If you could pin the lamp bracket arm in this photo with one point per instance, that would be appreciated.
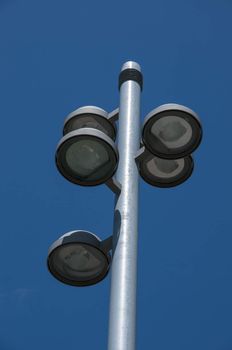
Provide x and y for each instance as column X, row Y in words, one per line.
column 107, row 244
column 114, row 185
column 141, row 154
column 113, row 116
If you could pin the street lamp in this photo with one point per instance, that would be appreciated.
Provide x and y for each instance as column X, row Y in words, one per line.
column 79, row 258
column 90, row 117
column 87, row 155
column 171, row 131
column 161, row 172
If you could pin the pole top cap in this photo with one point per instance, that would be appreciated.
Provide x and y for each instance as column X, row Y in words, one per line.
column 131, row 65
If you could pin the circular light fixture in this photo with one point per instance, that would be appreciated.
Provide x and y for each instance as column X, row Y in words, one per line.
column 78, row 258
column 171, row 131
column 90, row 117
column 87, row 157
column 165, row 172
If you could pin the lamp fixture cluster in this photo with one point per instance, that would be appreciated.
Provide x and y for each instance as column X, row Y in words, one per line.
column 170, row 134
column 88, row 156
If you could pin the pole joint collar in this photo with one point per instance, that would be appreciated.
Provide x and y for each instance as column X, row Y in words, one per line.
column 131, row 74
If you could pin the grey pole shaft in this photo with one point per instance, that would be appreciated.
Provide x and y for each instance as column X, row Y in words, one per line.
column 122, row 322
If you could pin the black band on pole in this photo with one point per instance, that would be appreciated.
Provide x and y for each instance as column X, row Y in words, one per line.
column 130, row 74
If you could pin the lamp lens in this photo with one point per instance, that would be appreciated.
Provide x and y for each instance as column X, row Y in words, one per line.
column 172, row 131
column 164, row 168
column 85, row 157
column 89, row 120
column 79, row 262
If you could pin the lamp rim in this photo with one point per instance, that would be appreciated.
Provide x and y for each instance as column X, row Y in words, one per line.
column 170, row 107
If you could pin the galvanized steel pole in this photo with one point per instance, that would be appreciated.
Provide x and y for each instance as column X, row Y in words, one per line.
column 122, row 322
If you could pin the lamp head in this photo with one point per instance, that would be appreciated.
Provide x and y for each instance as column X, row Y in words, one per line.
column 160, row 172
column 78, row 258
column 90, row 117
column 171, row 131
column 87, row 157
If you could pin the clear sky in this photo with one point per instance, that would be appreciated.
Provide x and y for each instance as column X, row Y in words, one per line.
column 56, row 56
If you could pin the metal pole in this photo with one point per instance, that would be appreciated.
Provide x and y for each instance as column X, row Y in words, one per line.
column 122, row 322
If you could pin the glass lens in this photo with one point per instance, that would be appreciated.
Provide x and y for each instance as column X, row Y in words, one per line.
column 86, row 122
column 79, row 262
column 90, row 121
column 164, row 168
column 85, row 157
column 172, row 131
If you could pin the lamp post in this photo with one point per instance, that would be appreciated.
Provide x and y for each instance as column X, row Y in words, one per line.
column 87, row 155
column 123, row 281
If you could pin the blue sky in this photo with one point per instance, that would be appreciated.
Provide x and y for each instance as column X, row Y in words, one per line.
column 56, row 56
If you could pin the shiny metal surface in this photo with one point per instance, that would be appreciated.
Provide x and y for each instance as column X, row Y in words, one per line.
column 131, row 65
column 122, row 323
